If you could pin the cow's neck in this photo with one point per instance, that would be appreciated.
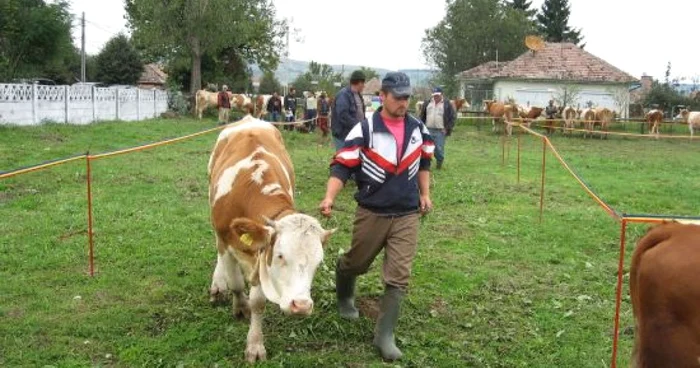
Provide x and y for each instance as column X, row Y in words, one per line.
column 284, row 211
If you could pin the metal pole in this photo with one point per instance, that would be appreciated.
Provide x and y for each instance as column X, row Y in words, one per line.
column 82, row 51
column 519, row 134
column 618, row 294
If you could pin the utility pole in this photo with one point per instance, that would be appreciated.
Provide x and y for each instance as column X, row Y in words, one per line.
column 82, row 53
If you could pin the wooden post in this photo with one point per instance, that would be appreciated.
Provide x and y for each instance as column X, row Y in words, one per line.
column 618, row 293
column 544, row 166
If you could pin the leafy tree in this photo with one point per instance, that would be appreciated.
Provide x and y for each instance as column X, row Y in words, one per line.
column 180, row 28
column 523, row 5
column 269, row 84
column 369, row 73
column 567, row 94
column 323, row 74
column 118, row 62
column 470, row 34
column 553, row 22
column 34, row 38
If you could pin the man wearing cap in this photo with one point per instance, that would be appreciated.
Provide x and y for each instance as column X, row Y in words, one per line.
column 390, row 156
column 439, row 116
column 224, row 104
column 348, row 108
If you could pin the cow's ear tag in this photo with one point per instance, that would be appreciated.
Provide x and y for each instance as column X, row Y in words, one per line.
column 246, row 239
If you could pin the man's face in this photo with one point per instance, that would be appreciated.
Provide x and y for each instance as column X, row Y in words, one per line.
column 360, row 87
column 396, row 107
column 437, row 98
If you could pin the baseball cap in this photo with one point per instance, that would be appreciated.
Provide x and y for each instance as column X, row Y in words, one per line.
column 437, row 91
column 397, row 83
column 357, row 76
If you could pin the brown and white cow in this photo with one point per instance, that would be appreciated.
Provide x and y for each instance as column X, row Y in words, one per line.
column 604, row 117
column 529, row 113
column 460, row 105
column 692, row 118
column 204, row 99
column 498, row 111
column 419, row 107
column 653, row 119
column 260, row 237
column 665, row 297
column 569, row 114
column 261, row 105
column 588, row 117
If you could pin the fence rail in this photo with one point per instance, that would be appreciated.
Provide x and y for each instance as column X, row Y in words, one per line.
column 31, row 104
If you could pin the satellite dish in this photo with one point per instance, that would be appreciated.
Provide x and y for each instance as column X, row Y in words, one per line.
column 534, row 43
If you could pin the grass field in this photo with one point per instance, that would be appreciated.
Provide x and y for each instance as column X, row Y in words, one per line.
column 492, row 287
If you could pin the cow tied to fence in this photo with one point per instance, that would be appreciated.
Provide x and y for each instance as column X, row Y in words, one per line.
column 205, row 99
column 260, row 237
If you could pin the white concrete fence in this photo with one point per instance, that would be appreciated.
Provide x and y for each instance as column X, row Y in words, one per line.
column 30, row 104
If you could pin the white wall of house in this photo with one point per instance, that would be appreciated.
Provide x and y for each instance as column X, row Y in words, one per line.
column 614, row 97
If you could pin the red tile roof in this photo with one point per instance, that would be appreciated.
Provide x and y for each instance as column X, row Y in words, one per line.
column 557, row 61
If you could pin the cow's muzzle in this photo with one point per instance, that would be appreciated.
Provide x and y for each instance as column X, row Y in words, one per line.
column 302, row 307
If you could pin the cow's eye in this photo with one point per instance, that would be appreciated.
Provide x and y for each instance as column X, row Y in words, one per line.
column 280, row 257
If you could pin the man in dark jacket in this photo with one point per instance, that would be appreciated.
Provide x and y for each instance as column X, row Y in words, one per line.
column 348, row 108
column 390, row 154
column 274, row 107
column 290, row 105
column 439, row 115
column 223, row 102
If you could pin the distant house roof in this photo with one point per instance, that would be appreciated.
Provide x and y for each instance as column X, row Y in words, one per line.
column 557, row 61
column 372, row 86
column 153, row 74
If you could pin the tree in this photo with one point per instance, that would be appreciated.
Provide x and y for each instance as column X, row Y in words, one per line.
column 118, row 62
column 369, row 73
column 568, row 94
column 322, row 74
column 470, row 34
column 34, row 37
column 524, row 6
column 553, row 22
column 179, row 28
column 269, row 84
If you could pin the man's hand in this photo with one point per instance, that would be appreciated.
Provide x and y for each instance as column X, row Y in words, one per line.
column 426, row 205
column 326, row 207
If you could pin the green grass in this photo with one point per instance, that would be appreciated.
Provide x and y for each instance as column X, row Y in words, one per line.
column 492, row 287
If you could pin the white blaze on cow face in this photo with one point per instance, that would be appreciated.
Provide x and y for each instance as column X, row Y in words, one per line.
column 288, row 267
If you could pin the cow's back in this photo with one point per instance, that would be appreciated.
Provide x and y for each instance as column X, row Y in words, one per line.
column 666, row 297
column 250, row 173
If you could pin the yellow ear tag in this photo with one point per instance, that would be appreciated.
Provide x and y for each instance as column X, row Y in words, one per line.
column 246, row 239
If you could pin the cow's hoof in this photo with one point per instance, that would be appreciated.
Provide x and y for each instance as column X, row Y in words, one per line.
column 241, row 308
column 254, row 352
column 217, row 297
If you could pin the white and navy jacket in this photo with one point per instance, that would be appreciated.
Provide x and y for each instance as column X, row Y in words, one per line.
column 386, row 183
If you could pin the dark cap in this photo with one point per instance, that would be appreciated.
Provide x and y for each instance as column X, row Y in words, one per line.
column 397, row 83
column 357, row 76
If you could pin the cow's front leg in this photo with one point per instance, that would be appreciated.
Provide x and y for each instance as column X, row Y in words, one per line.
column 255, row 349
column 224, row 277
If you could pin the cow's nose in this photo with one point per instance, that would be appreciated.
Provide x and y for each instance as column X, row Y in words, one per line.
column 301, row 306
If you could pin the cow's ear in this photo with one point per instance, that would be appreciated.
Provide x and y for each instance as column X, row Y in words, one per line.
column 327, row 235
column 250, row 236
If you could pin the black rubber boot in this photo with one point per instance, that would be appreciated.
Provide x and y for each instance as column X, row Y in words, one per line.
column 388, row 316
column 345, row 293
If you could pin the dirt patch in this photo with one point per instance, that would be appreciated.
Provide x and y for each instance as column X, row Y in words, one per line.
column 438, row 307
column 51, row 137
column 70, row 234
column 369, row 307
column 15, row 313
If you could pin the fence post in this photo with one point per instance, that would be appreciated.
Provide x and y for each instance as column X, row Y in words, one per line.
column 618, row 292
column 155, row 111
column 138, row 104
column 117, row 109
column 34, row 103
column 544, row 166
column 94, row 104
column 66, row 92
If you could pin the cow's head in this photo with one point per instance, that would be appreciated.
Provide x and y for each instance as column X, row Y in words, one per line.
column 289, row 251
column 683, row 114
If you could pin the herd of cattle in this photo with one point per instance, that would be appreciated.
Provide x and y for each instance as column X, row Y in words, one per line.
column 262, row 239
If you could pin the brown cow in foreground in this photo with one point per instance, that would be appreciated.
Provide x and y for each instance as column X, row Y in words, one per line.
column 260, row 237
column 498, row 111
column 665, row 297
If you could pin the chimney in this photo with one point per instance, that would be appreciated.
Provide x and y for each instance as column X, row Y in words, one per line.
column 646, row 82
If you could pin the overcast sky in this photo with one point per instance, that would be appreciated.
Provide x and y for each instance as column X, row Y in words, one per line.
column 387, row 33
